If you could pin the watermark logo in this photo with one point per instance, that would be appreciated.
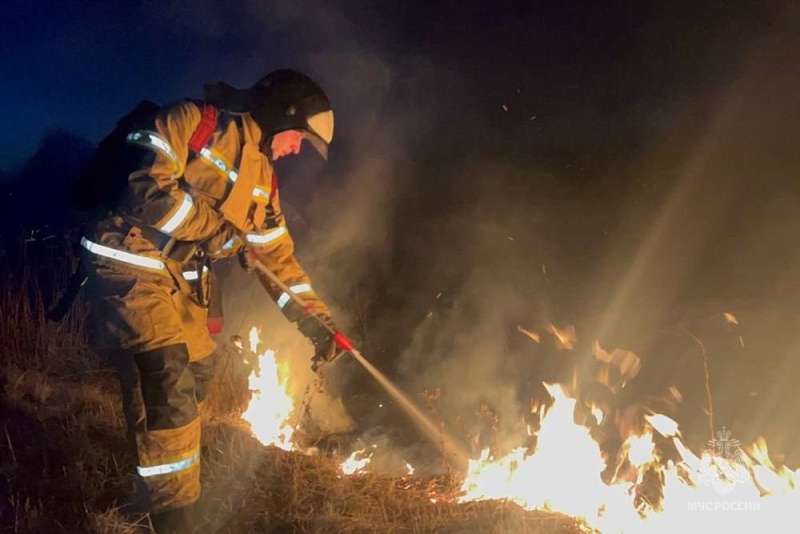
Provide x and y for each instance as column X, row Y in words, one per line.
column 724, row 464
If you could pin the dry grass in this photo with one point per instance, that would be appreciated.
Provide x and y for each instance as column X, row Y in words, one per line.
column 65, row 464
column 290, row 492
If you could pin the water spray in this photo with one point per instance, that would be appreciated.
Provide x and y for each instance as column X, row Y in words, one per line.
column 435, row 434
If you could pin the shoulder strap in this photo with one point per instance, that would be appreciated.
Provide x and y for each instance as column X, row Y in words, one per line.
column 205, row 129
column 274, row 184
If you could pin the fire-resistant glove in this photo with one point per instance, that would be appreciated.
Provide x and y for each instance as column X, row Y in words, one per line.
column 246, row 258
column 321, row 331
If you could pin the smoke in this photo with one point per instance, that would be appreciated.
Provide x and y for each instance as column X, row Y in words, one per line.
column 462, row 352
column 341, row 212
column 405, row 210
column 492, row 270
column 392, row 218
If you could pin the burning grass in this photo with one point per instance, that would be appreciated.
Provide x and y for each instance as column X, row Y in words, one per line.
column 293, row 492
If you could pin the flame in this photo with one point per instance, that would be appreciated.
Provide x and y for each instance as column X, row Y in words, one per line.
column 598, row 414
column 533, row 335
column 646, row 493
column 409, row 468
column 356, row 463
column 539, row 481
column 270, row 406
column 565, row 337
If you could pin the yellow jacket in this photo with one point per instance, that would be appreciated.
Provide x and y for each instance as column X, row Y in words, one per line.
column 180, row 206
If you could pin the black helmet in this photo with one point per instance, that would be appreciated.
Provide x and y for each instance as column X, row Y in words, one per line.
column 282, row 100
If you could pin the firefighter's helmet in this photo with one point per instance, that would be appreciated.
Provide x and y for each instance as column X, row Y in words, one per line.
column 282, row 100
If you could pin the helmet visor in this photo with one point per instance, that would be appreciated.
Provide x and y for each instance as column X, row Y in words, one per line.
column 317, row 142
column 319, row 132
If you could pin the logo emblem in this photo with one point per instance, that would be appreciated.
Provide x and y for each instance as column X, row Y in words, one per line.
column 724, row 464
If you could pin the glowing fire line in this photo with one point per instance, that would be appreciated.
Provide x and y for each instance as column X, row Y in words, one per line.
column 564, row 472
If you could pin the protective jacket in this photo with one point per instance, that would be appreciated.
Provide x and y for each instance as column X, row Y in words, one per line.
column 182, row 205
column 147, row 262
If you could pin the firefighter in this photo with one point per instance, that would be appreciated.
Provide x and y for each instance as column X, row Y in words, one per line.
column 198, row 186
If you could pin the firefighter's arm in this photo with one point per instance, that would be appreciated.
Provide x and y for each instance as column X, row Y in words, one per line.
column 274, row 247
column 278, row 257
column 156, row 193
column 312, row 317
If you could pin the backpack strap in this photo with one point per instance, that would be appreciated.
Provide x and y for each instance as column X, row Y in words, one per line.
column 274, row 185
column 205, row 129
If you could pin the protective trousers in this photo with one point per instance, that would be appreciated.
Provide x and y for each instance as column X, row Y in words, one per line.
column 155, row 334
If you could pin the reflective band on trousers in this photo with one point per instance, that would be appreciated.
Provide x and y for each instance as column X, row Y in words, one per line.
column 218, row 162
column 168, row 468
column 152, row 140
column 283, row 300
column 122, row 256
column 180, row 216
column 263, row 239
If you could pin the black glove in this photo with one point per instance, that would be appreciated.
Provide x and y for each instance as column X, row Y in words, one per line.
column 245, row 259
column 326, row 349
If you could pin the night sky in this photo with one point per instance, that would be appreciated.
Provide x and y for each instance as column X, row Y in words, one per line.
column 584, row 71
column 531, row 161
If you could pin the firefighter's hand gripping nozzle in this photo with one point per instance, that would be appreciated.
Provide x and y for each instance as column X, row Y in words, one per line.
column 329, row 343
column 247, row 259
